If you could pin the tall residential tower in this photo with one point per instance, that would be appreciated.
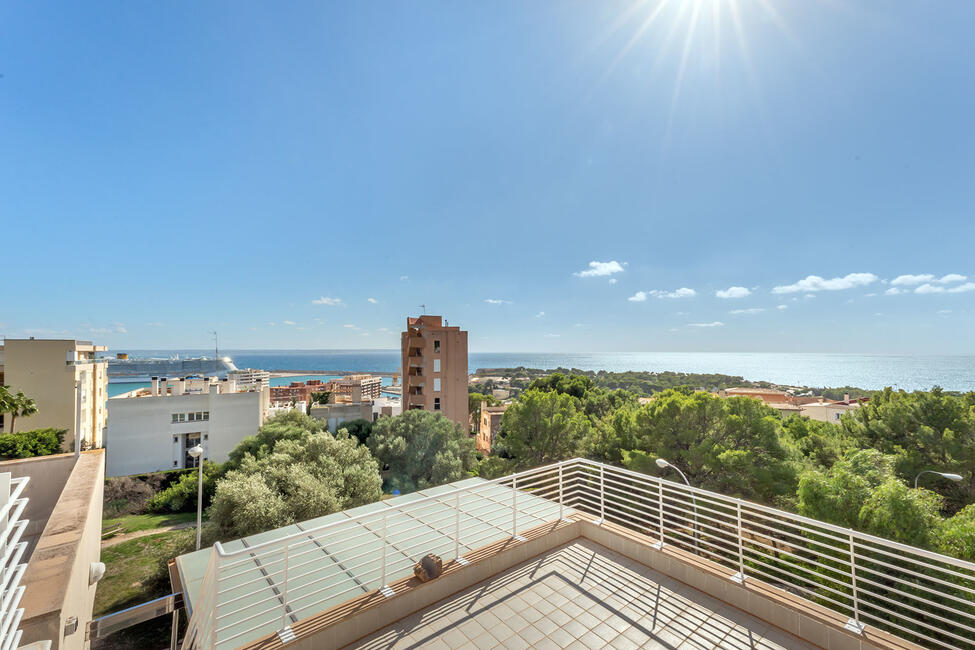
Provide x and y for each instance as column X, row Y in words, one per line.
column 435, row 368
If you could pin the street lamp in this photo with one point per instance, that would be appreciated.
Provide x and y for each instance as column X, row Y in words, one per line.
column 196, row 452
column 663, row 464
column 949, row 476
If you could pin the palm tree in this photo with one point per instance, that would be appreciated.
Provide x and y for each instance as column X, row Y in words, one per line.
column 22, row 406
column 6, row 402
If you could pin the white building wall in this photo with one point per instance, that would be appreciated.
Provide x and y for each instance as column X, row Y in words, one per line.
column 142, row 437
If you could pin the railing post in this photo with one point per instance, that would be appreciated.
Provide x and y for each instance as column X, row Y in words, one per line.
column 740, row 576
column 602, row 494
column 457, row 525
column 660, row 512
column 284, row 590
column 561, row 500
column 854, row 624
column 383, row 542
column 514, row 506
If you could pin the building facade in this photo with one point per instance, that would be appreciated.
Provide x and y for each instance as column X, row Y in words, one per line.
column 153, row 429
column 66, row 381
column 297, row 391
column 246, row 376
column 435, row 368
column 489, row 426
column 369, row 386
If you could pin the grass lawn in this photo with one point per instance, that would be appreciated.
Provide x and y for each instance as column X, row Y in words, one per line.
column 133, row 523
column 135, row 571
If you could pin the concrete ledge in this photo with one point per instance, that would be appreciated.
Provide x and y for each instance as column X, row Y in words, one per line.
column 797, row 616
column 360, row 617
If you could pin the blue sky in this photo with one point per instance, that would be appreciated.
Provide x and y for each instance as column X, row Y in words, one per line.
column 553, row 176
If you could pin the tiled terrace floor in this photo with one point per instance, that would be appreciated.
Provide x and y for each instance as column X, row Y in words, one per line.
column 581, row 595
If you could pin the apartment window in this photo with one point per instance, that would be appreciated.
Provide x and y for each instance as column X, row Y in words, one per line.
column 176, row 439
column 436, row 403
column 436, row 365
column 179, row 417
column 175, row 463
column 436, row 385
column 206, row 415
column 436, row 345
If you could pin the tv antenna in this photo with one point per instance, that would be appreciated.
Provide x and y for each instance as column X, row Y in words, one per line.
column 423, row 309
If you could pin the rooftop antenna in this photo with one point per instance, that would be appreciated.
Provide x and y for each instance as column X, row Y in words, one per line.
column 423, row 309
column 216, row 352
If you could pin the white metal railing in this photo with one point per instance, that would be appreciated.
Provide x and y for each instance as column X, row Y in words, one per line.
column 12, row 551
column 910, row 592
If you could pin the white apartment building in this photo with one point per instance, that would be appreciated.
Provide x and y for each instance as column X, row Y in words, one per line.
column 152, row 429
column 247, row 376
column 66, row 381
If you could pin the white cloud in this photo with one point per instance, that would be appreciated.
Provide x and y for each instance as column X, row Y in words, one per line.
column 117, row 328
column 404, row 278
column 780, row 307
column 351, row 326
column 944, row 311
column 552, row 336
column 716, row 323
column 600, row 269
column 612, row 280
column 753, row 310
column 952, row 277
column 935, row 288
column 271, row 323
column 325, row 300
column 155, row 324
column 371, row 300
column 289, row 322
column 893, row 291
column 923, row 278
column 683, row 292
column 539, row 314
column 733, row 292
column 911, row 280
column 639, row 296
column 383, row 329
column 816, row 283
column 496, row 301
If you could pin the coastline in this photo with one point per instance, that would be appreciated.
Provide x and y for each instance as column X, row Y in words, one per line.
column 330, row 373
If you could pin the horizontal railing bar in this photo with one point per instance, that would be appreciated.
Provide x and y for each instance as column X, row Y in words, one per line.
column 933, row 615
column 915, row 585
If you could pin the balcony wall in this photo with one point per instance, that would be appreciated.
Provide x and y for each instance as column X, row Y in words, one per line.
column 56, row 582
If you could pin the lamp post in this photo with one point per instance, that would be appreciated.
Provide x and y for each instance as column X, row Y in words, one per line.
column 947, row 475
column 663, row 464
column 196, row 452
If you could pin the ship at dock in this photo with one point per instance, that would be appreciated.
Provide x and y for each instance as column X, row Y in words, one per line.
column 125, row 369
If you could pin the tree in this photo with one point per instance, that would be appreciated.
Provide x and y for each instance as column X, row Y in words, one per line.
column 18, row 405
column 422, row 449
column 360, row 429
column 921, row 430
column 838, row 494
column 290, row 425
column 542, row 427
column 956, row 536
column 297, row 479
column 731, row 445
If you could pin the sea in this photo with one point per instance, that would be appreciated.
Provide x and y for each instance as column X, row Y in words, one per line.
column 907, row 372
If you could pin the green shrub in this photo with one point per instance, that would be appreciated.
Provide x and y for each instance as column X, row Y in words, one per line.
column 28, row 444
column 180, row 496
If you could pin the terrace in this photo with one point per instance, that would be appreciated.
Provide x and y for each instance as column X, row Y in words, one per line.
column 574, row 553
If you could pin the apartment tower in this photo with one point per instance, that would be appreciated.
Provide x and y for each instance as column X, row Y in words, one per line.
column 435, row 368
column 66, row 380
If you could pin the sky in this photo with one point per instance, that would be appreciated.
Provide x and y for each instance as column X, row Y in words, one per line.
column 660, row 175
